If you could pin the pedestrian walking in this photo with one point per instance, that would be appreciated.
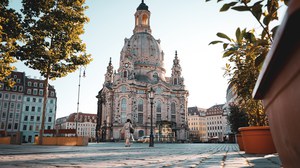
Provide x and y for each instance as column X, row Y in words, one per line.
column 127, row 127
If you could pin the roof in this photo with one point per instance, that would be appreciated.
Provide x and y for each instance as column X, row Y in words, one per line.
column 142, row 6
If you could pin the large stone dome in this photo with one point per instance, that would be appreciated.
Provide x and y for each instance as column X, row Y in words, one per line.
column 143, row 50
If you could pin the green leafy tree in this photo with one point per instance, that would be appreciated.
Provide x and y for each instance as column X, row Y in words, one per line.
column 246, row 52
column 52, row 40
column 10, row 33
column 237, row 118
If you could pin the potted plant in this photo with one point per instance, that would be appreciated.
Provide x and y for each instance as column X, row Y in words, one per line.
column 237, row 118
column 245, row 54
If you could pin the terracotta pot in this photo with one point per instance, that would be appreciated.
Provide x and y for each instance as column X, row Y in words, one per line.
column 257, row 140
column 239, row 140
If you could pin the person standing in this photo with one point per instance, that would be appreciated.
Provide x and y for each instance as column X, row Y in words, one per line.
column 127, row 126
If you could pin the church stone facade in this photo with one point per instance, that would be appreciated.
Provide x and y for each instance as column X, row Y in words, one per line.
column 125, row 91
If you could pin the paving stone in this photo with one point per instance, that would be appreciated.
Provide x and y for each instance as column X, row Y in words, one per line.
column 139, row 155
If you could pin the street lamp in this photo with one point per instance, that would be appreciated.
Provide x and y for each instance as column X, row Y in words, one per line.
column 151, row 96
column 83, row 75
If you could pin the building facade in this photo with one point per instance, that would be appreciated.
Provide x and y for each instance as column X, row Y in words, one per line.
column 216, row 120
column 197, row 124
column 125, row 91
column 21, row 106
column 86, row 124
column 11, row 103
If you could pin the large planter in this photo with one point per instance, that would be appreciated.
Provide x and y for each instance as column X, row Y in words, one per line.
column 257, row 140
column 278, row 87
column 239, row 140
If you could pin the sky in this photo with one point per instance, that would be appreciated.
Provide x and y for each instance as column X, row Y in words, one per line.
column 185, row 26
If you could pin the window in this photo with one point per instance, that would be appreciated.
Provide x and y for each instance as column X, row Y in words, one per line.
column 12, row 106
column 18, row 80
column 173, row 108
column 155, row 76
column 3, row 114
column 35, row 91
column 24, row 127
column 140, row 105
column 50, row 119
column 6, row 96
column 50, row 110
column 125, row 74
column 17, row 116
column 31, row 118
column 175, row 81
column 25, row 118
column 11, row 115
column 51, row 101
column 41, row 92
column 20, row 88
column 158, row 106
column 33, row 99
column 33, row 109
column 5, row 105
column 40, row 100
column 2, row 125
column 13, row 97
column 19, row 97
column 0, row 95
column 52, row 93
column 27, row 108
column 28, row 99
column 29, row 84
column 35, row 84
column 123, row 104
column 15, row 88
column 158, row 117
column 140, row 118
column 28, row 91
column 41, row 85
column 37, row 118
column 39, row 109
column 123, row 89
column 30, row 127
column 173, row 112
column 9, row 126
column 16, row 126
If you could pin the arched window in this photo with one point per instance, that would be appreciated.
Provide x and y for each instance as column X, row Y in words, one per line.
column 123, row 110
column 123, row 104
column 158, row 110
column 173, row 108
column 145, row 20
column 158, row 106
column 125, row 74
column 140, row 105
column 123, row 89
column 137, row 21
column 173, row 112
column 155, row 76
column 175, row 81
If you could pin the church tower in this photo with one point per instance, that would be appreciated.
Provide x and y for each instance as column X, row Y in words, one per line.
column 125, row 91
column 142, row 19
column 176, row 72
column 109, row 73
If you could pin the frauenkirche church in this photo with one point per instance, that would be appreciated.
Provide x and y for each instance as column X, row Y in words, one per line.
column 125, row 90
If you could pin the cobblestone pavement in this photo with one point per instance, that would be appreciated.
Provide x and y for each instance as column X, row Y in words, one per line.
column 138, row 155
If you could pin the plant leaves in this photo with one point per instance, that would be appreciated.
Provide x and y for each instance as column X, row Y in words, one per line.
column 241, row 8
column 225, row 7
column 222, row 35
column 215, row 42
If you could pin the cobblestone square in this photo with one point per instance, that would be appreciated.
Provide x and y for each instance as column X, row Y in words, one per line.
column 138, row 155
